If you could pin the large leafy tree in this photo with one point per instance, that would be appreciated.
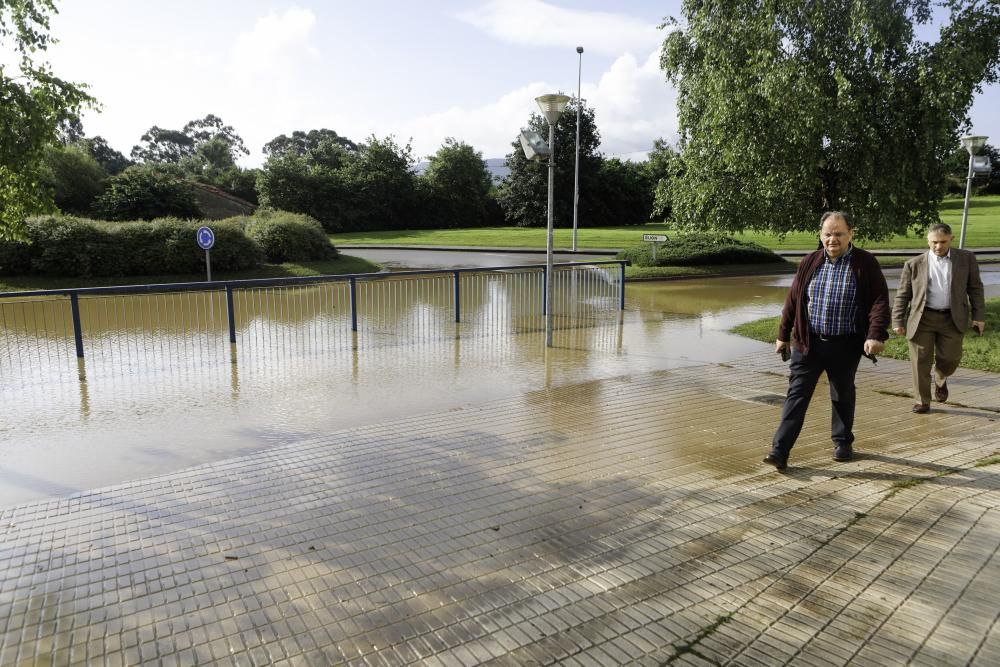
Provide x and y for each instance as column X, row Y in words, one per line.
column 458, row 185
column 790, row 107
column 322, row 147
column 146, row 192
column 34, row 105
column 111, row 160
column 74, row 178
column 523, row 195
column 663, row 164
column 380, row 186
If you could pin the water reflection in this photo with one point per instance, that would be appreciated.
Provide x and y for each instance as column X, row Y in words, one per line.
column 59, row 432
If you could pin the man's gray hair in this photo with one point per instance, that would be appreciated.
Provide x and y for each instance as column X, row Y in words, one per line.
column 940, row 227
column 843, row 215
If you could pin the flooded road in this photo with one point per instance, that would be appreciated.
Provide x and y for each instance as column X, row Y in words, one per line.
column 60, row 436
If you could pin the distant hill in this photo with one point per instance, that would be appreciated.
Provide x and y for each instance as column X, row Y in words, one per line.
column 497, row 167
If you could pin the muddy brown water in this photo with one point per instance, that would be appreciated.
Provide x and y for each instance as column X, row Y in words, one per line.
column 60, row 435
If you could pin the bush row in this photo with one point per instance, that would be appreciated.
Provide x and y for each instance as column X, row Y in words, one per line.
column 68, row 246
column 700, row 249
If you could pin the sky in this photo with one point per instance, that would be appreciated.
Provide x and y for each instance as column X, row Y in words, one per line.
column 420, row 71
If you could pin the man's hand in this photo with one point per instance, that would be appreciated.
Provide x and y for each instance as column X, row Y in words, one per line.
column 980, row 327
column 901, row 331
column 873, row 347
column 783, row 349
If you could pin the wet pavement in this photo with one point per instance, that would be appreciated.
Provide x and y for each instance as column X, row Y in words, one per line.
column 600, row 503
column 623, row 520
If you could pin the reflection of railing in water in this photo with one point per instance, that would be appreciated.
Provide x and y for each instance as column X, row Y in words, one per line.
column 157, row 325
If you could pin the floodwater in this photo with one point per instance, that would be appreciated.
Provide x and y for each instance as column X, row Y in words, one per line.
column 60, row 434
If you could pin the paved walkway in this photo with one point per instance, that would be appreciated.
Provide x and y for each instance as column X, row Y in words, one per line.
column 614, row 522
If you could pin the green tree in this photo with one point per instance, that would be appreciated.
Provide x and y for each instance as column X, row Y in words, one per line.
column 663, row 165
column 380, row 187
column 459, row 186
column 322, row 147
column 623, row 194
column 789, row 108
column 523, row 195
column 163, row 145
column 291, row 182
column 34, row 105
column 146, row 192
column 74, row 177
column 111, row 160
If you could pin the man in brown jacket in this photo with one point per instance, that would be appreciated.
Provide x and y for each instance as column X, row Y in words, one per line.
column 939, row 288
column 836, row 310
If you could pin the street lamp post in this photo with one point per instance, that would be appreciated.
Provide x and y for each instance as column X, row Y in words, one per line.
column 552, row 107
column 576, row 168
column 973, row 144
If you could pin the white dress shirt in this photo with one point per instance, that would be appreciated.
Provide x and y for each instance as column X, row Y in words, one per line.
column 938, row 281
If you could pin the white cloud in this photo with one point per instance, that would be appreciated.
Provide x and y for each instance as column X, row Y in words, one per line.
column 534, row 22
column 274, row 42
column 489, row 129
column 633, row 105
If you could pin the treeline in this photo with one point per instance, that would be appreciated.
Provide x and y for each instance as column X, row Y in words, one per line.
column 370, row 185
column 351, row 185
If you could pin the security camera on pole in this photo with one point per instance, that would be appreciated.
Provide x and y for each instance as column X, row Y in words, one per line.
column 977, row 164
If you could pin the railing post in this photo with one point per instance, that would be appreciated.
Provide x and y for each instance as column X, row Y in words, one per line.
column 458, row 297
column 354, row 304
column 230, row 313
column 74, row 305
column 545, row 291
column 621, row 286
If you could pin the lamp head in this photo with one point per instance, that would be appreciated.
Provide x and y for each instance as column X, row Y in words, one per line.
column 973, row 144
column 579, row 49
column 552, row 106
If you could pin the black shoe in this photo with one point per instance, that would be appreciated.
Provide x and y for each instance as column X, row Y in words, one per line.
column 941, row 391
column 779, row 462
column 843, row 453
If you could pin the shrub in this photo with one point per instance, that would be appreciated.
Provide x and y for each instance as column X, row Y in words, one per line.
column 66, row 246
column 698, row 250
column 146, row 193
column 288, row 237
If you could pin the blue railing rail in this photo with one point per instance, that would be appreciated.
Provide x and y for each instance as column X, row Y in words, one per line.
column 352, row 279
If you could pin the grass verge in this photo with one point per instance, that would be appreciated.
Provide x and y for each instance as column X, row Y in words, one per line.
column 979, row 352
column 982, row 231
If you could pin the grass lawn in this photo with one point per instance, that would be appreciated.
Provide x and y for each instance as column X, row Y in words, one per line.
column 338, row 266
column 983, row 231
column 980, row 352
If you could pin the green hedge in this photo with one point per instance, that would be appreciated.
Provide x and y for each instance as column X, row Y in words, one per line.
column 699, row 250
column 288, row 237
column 68, row 246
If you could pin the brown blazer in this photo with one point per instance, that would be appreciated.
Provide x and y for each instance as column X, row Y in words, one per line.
column 967, row 292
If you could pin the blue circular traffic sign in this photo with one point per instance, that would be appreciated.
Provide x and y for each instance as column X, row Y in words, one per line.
column 206, row 238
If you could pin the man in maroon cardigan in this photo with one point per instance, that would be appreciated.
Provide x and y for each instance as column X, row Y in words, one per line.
column 836, row 309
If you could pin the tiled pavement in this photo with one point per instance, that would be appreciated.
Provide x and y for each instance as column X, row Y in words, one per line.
column 619, row 521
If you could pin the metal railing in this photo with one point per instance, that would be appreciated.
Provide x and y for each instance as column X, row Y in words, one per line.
column 152, row 325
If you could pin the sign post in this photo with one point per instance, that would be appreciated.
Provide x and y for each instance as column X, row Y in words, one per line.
column 206, row 239
column 654, row 239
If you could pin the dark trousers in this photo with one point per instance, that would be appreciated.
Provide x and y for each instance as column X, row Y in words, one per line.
column 837, row 356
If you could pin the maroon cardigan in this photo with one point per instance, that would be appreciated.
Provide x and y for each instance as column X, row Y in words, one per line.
column 872, row 294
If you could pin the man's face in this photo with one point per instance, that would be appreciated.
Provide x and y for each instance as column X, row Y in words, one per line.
column 835, row 235
column 939, row 243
